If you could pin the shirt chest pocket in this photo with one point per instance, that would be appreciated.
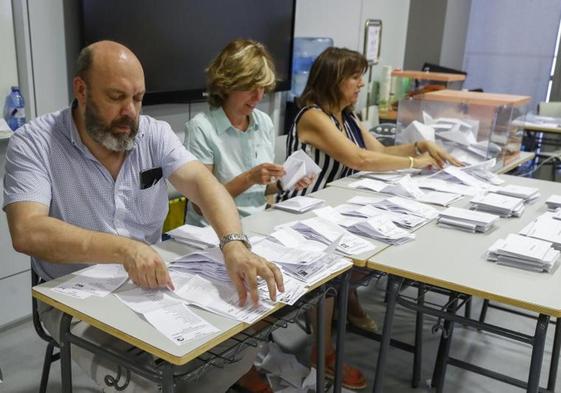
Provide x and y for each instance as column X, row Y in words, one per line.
column 151, row 204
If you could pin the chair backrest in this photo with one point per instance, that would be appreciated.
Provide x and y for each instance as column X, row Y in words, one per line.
column 280, row 149
column 35, row 280
column 385, row 133
column 551, row 109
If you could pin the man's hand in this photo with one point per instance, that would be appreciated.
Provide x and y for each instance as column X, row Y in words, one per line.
column 265, row 173
column 145, row 267
column 440, row 155
column 244, row 266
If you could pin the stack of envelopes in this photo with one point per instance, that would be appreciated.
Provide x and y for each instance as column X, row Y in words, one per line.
column 524, row 253
column 502, row 205
column 468, row 220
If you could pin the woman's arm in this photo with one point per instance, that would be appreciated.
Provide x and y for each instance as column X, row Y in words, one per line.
column 315, row 128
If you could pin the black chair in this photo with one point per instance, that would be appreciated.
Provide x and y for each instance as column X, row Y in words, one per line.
column 50, row 355
column 438, row 68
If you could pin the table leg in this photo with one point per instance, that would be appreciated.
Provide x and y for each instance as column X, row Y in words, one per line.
column 65, row 354
column 167, row 378
column 418, row 354
column 444, row 350
column 554, row 356
column 341, row 330
column 320, row 344
column 394, row 283
column 537, row 354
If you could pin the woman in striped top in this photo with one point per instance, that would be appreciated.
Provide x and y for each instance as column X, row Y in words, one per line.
column 329, row 132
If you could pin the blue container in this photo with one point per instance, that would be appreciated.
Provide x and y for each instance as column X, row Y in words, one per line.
column 305, row 51
column 14, row 109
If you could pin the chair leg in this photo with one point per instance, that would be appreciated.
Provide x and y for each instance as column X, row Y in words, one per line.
column 46, row 367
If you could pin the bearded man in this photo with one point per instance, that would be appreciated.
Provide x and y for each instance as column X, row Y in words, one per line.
column 87, row 185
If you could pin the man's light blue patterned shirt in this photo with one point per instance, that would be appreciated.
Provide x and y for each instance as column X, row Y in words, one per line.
column 47, row 162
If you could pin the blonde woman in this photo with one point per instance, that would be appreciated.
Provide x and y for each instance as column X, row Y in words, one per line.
column 235, row 140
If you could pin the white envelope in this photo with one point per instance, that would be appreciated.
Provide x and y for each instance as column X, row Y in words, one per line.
column 296, row 166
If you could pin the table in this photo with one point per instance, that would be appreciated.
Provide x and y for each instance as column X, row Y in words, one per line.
column 469, row 273
column 111, row 316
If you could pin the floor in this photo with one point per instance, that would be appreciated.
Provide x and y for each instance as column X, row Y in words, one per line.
column 22, row 351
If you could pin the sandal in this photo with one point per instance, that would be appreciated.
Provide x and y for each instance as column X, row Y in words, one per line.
column 352, row 377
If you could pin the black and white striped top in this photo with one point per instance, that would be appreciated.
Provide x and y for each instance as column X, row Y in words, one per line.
column 331, row 169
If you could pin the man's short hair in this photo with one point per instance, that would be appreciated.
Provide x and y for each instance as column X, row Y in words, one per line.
column 84, row 63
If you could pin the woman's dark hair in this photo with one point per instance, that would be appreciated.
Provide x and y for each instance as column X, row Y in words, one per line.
column 331, row 67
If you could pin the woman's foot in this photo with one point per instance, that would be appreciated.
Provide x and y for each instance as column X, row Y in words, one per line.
column 352, row 377
column 357, row 316
column 363, row 322
column 253, row 382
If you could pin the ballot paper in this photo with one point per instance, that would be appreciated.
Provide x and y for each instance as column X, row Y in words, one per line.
column 470, row 220
column 528, row 194
column 167, row 314
column 221, row 298
column 382, row 228
column 331, row 214
column 524, row 252
column 296, row 166
column 432, row 183
column 365, row 200
column 414, row 132
column 383, row 176
column 502, row 205
column 544, row 227
column 98, row 280
column 439, row 198
column 327, row 232
column 299, row 204
column 465, row 177
column 553, row 202
column 405, row 186
column 407, row 206
column 404, row 220
column 290, row 237
column 208, row 263
column 197, row 237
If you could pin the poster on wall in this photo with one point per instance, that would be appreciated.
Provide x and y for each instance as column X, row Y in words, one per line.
column 372, row 40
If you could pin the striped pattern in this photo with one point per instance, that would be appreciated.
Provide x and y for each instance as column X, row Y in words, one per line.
column 331, row 169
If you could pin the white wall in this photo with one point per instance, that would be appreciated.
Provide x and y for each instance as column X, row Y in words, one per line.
column 8, row 66
column 14, row 267
column 344, row 20
column 455, row 32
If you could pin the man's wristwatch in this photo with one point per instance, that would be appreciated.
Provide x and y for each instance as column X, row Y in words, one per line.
column 235, row 237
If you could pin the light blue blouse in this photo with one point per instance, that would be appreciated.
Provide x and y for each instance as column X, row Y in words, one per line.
column 214, row 141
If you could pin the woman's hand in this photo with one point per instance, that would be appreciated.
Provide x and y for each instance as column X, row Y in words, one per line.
column 304, row 182
column 440, row 156
column 424, row 161
column 265, row 173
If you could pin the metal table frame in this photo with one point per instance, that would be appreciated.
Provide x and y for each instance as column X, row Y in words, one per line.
column 165, row 373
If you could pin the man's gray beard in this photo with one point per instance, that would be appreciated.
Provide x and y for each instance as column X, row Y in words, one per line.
column 103, row 135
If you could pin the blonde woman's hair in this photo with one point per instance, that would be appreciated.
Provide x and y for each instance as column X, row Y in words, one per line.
column 241, row 65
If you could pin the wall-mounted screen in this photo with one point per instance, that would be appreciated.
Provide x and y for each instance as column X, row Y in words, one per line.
column 176, row 39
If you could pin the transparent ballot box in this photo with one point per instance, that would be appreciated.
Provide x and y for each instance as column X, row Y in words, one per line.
column 472, row 126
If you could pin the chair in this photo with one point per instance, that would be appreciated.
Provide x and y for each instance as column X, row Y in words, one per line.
column 385, row 133
column 50, row 356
